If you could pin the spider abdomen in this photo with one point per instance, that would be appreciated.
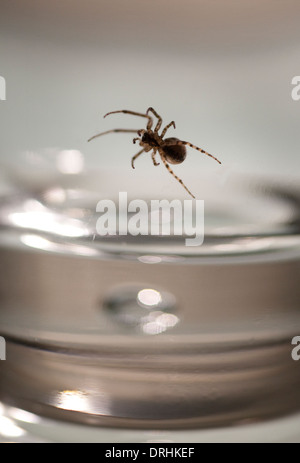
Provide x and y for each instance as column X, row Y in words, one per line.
column 174, row 154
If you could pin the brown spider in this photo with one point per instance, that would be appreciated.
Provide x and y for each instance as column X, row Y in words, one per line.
column 170, row 149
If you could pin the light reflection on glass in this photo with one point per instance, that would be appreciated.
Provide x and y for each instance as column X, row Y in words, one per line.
column 38, row 242
column 37, row 217
column 146, row 310
column 9, row 429
column 32, row 205
column 245, row 244
column 73, row 400
column 157, row 322
column 150, row 259
column 70, row 161
column 149, row 297
column 82, row 401
column 24, row 416
column 45, row 221
column 55, row 195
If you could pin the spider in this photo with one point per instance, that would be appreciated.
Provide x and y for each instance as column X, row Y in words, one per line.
column 171, row 150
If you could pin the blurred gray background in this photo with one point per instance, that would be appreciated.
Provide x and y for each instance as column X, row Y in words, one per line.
column 221, row 70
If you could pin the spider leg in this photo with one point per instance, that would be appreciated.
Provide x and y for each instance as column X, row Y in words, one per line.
column 114, row 130
column 159, row 122
column 166, row 128
column 153, row 158
column 133, row 113
column 136, row 156
column 180, row 142
column 175, row 176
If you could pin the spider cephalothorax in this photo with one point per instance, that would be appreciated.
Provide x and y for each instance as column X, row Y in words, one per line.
column 171, row 150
